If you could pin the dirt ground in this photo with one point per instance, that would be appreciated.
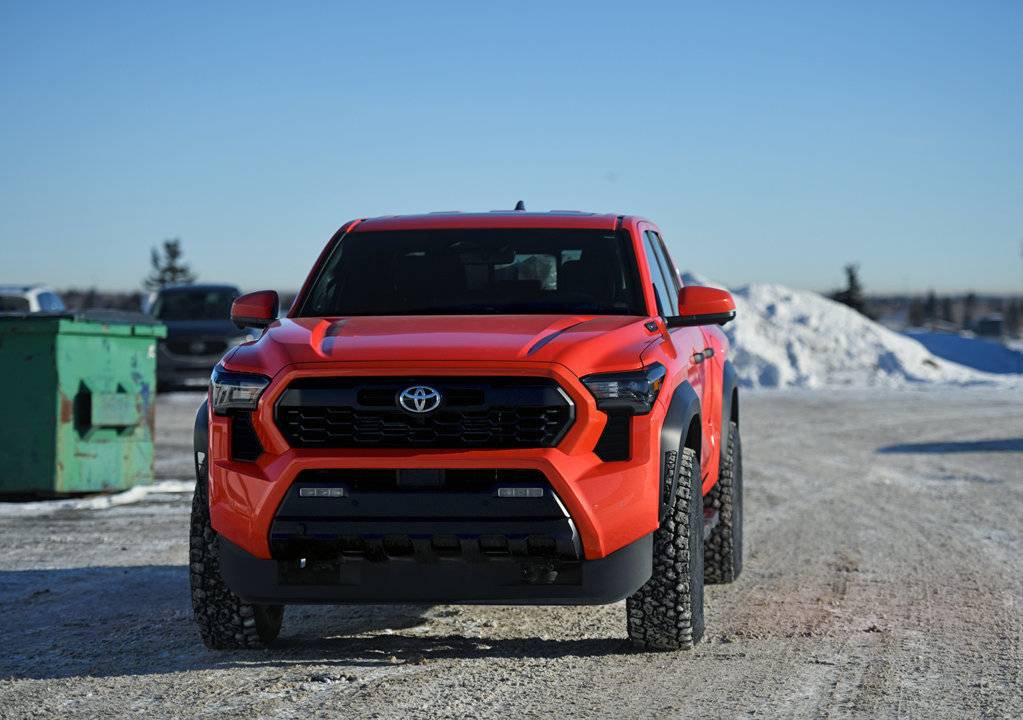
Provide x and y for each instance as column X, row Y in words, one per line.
column 883, row 578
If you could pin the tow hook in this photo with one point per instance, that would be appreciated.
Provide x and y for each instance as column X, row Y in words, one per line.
column 544, row 573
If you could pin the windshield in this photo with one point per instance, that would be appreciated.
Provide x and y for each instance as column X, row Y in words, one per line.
column 505, row 271
column 195, row 304
column 13, row 303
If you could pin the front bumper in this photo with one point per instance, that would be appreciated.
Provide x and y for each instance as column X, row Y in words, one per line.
column 611, row 504
column 506, row 580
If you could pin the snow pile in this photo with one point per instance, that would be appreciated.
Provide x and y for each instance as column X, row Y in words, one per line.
column 975, row 352
column 94, row 502
column 783, row 337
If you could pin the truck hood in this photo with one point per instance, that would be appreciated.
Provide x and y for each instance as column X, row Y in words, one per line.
column 578, row 341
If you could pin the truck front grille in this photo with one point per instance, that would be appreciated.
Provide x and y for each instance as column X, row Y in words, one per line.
column 473, row 413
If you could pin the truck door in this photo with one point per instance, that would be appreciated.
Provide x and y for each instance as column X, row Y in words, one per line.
column 693, row 343
column 688, row 341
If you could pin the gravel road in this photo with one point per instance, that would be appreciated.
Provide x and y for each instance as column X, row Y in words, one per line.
column 883, row 578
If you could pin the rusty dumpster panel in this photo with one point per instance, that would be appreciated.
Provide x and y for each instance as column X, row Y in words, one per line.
column 79, row 416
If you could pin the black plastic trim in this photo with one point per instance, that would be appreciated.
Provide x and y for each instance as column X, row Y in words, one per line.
column 413, row 494
column 201, row 434
column 245, row 445
column 548, row 338
column 684, row 406
column 729, row 384
column 696, row 320
column 615, row 441
column 480, row 580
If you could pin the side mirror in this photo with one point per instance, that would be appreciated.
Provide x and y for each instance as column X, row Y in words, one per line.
column 257, row 309
column 703, row 306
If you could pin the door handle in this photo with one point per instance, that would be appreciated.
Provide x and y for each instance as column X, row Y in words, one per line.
column 698, row 357
column 708, row 353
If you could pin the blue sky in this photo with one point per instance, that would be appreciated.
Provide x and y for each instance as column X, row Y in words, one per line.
column 772, row 142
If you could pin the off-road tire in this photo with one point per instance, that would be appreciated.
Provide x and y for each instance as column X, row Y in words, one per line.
column 225, row 622
column 667, row 612
column 722, row 551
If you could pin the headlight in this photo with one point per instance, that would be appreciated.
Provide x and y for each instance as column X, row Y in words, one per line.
column 234, row 390
column 635, row 391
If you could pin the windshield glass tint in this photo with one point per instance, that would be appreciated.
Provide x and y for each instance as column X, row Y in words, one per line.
column 447, row 272
column 195, row 304
column 13, row 303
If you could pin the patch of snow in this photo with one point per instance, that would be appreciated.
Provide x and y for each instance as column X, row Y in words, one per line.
column 783, row 337
column 978, row 353
column 94, row 502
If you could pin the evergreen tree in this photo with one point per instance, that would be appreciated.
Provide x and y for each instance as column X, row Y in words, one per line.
column 946, row 309
column 852, row 295
column 931, row 306
column 1012, row 317
column 916, row 313
column 168, row 267
column 969, row 309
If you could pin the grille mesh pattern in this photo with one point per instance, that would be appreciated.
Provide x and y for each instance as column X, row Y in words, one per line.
column 487, row 415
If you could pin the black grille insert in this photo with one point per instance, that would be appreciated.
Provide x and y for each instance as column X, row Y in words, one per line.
column 613, row 443
column 473, row 413
column 245, row 444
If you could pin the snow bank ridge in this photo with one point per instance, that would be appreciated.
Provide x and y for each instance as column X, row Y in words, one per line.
column 783, row 337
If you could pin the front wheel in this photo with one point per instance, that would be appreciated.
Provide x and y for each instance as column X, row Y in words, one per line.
column 225, row 622
column 667, row 612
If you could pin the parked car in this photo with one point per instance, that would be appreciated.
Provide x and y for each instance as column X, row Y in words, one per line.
column 29, row 298
column 199, row 332
column 479, row 408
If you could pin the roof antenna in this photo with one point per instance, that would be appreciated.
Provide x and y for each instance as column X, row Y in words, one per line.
column 520, row 206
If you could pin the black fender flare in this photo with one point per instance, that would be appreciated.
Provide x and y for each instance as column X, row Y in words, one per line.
column 729, row 385
column 683, row 407
column 201, row 434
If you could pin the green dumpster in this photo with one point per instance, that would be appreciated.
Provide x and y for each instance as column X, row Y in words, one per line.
column 78, row 404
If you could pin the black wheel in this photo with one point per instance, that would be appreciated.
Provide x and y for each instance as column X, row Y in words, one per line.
column 225, row 622
column 722, row 552
column 667, row 612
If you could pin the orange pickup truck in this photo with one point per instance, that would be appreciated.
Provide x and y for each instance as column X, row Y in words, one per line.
column 504, row 407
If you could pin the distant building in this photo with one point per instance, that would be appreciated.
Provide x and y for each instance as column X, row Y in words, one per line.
column 992, row 326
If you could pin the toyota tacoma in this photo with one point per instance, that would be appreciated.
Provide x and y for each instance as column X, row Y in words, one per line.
column 504, row 407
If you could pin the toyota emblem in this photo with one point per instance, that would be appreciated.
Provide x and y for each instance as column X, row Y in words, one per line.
column 419, row 399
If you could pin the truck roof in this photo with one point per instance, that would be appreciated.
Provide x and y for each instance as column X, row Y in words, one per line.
column 567, row 219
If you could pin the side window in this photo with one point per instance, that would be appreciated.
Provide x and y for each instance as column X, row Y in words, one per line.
column 670, row 266
column 13, row 303
column 657, row 277
column 661, row 266
column 49, row 301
